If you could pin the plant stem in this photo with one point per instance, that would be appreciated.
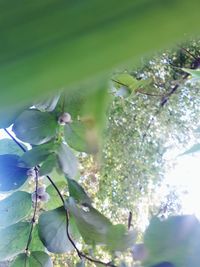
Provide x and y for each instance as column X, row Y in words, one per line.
column 34, row 214
column 80, row 254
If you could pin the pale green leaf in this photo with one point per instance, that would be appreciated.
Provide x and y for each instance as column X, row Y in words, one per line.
column 15, row 208
column 35, row 259
column 13, row 240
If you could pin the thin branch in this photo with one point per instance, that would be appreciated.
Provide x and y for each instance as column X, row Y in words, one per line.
column 80, row 254
column 15, row 140
column 56, row 188
column 137, row 90
column 189, row 53
column 35, row 210
column 130, row 216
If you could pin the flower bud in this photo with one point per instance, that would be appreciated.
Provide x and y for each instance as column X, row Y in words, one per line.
column 65, row 118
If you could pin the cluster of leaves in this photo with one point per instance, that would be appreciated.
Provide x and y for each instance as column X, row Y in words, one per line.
column 29, row 230
column 56, row 131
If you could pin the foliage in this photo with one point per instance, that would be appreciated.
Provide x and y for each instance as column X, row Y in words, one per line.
column 42, row 53
column 149, row 109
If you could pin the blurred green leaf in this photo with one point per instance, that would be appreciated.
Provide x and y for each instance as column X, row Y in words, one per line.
column 41, row 53
column 11, row 175
column 13, row 240
column 15, row 208
column 35, row 127
column 194, row 73
column 35, row 259
column 175, row 240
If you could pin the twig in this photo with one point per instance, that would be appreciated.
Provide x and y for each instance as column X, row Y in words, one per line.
column 80, row 254
column 15, row 140
column 34, row 214
column 189, row 53
column 130, row 216
column 137, row 90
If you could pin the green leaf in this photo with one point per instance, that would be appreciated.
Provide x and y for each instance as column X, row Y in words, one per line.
column 36, row 244
column 35, row 259
column 52, row 231
column 175, row 240
column 92, row 225
column 48, row 104
column 125, row 79
column 75, row 136
column 77, row 192
column 35, row 127
column 37, row 154
column 15, row 208
column 54, row 201
column 96, row 229
column 13, row 240
column 7, row 146
column 119, row 239
column 48, row 165
column 194, row 149
column 48, row 52
column 9, row 115
column 11, row 176
column 67, row 161
column 195, row 73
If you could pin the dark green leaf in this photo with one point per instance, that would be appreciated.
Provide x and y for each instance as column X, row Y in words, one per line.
column 55, row 201
column 67, row 161
column 37, row 154
column 77, row 192
column 14, row 208
column 11, row 176
column 175, row 240
column 95, row 228
column 75, row 136
column 13, row 240
column 52, row 231
column 7, row 146
column 48, row 165
column 35, row 127
column 36, row 244
column 92, row 225
column 35, row 259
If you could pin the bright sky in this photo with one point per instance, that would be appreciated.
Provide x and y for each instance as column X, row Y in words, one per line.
column 186, row 175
